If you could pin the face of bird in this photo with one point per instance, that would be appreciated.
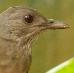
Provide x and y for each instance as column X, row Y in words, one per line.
column 24, row 21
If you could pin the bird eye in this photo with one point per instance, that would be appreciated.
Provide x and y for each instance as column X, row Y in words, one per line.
column 28, row 18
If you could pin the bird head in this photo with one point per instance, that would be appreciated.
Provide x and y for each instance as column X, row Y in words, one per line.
column 21, row 21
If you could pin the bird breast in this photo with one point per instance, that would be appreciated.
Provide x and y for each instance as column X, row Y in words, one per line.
column 14, row 58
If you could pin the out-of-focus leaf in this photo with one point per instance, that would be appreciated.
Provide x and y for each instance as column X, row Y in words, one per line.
column 66, row 67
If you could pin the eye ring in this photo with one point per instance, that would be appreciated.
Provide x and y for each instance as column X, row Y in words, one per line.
column 28, row 18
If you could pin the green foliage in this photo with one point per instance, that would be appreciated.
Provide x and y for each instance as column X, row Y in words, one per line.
column 66, row 67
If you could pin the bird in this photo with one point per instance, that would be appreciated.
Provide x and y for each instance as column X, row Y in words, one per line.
column 18, row 28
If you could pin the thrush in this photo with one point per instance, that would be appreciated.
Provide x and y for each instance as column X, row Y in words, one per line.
column 18, row 28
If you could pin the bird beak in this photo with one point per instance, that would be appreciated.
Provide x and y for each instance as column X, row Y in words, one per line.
column 52, row 24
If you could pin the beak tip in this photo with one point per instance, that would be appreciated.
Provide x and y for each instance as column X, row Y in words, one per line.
column 54, row 24
column 66, row 26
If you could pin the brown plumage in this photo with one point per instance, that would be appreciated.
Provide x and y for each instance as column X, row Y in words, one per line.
column 18, row 27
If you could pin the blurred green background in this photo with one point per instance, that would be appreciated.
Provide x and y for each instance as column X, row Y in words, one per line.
column 53, row 46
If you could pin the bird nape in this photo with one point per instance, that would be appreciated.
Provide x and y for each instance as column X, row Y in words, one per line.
column 18, row 27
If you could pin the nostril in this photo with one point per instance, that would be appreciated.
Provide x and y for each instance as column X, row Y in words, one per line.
column 51, row 20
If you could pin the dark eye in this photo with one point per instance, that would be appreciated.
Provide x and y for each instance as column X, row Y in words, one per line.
column 28, row 18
